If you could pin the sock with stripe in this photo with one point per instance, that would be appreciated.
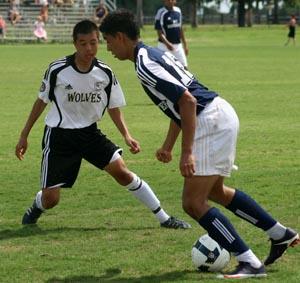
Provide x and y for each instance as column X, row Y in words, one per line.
column 220, row 229
column 38, row 201
column 246, row 208
column 142, row 191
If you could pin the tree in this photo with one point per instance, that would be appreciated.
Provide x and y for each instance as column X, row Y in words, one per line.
column 139, row 13
column 194, row 17
column 241, row 13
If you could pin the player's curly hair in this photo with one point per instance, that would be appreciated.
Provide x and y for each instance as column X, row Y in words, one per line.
column 120, row 21
column 84, row 27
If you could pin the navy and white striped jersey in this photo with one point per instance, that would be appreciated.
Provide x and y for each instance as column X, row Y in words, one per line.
column 169, row 22
column 164, row 79
column 79, row 99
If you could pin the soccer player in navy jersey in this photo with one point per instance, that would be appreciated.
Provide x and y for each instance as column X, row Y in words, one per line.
column 168, row 24
column 80, row 88
column 209, row 127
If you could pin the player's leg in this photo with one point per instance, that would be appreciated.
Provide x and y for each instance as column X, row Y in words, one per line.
column 142, row 191
column 248, row 209
column 180, row 54
column 59, row 168
column 44, row 199
column 214, row 151
column 195, row 194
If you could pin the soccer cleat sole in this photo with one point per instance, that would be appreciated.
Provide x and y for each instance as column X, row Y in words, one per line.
column 239, row 276
column 295, row 242
column 290, row 242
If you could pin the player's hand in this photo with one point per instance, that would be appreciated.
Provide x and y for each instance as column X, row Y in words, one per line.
column 163, row 155
column 21, row 148
column 187, row 165
column 186, row 51
column 170, row 46
column 133, row 144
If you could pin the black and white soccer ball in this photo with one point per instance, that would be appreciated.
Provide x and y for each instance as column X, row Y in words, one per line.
column 208, row 255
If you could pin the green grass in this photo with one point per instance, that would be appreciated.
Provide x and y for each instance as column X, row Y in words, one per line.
column 99, row 232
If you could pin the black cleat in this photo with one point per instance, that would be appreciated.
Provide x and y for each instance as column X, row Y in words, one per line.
column 175, row 223
column 32, row 215
column 278, row 247
column 244, row 270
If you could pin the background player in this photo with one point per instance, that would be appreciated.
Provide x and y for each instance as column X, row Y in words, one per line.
column 168, row 23
column 292, row 30
column 81, row 88
column 209, row 127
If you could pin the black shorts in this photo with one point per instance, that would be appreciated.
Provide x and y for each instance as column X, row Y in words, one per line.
column 63, row 150
column 292, row 32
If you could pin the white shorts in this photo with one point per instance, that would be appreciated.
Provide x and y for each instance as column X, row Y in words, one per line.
column 215, row 139
column 178, row 52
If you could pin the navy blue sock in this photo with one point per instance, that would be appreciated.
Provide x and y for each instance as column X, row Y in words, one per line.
column 245, row 207
column 220, row 229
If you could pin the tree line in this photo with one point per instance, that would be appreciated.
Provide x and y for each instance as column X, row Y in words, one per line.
column 245, row 8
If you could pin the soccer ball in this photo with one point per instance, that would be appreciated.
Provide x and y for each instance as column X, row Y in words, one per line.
column 208, row 255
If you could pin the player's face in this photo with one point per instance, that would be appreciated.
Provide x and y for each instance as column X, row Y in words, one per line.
column 116, row 45
column 86, row 46
column 170, row 3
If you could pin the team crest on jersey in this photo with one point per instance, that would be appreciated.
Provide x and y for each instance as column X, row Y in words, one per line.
column 99, row 86
column 43, row 87
column 163, row 105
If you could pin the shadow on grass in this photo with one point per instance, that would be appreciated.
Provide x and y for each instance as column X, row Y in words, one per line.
column 32, row 230
column 110, row 273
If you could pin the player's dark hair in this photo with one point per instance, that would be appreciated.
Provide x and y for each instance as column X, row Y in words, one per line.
column 84, row 27
column 120, row 21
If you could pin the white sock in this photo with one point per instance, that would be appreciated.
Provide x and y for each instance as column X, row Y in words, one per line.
column 277, row 231
column 161, row 215
column 249, row 257
column 38, row 201
column 142, row 191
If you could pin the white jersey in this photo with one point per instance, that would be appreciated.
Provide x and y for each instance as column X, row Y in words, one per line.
column 79, row 99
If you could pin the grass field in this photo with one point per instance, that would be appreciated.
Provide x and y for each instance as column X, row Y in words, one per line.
column 99, row 232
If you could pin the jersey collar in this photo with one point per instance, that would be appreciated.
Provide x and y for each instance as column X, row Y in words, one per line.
column 139, row 45
column 71, row 61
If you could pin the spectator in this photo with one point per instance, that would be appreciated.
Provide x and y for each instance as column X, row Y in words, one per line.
column 2, row 27
column 13, row 12
column 44, row 12
column 100, row 13
column 39, row 29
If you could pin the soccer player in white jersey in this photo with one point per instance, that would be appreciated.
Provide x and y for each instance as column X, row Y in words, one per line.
column 80, row 88
column 209, row 127
column 168, row 24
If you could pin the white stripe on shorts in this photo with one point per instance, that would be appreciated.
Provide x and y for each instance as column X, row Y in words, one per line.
column 46, row 150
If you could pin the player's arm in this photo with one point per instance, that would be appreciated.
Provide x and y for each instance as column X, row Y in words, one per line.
column 163, row 38
column 117, row 117
column 164, row 154
column 183, row 40
column 187, row 109
column 37, row 110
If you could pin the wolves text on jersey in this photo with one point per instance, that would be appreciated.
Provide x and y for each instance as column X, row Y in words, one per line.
column 84, row 97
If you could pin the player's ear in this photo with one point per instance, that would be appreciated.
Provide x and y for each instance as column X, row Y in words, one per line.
column 121, row 36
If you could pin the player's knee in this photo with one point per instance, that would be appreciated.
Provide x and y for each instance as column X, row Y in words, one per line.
column 194, row 208
column 124, row 177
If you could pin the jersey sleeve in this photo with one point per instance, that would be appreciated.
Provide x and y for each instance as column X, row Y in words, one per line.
column 154, row 75
column 44, row 90
column 117, row 98
column 157, row 24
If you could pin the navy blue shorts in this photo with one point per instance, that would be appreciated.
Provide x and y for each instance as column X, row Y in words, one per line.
column 64, row 149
